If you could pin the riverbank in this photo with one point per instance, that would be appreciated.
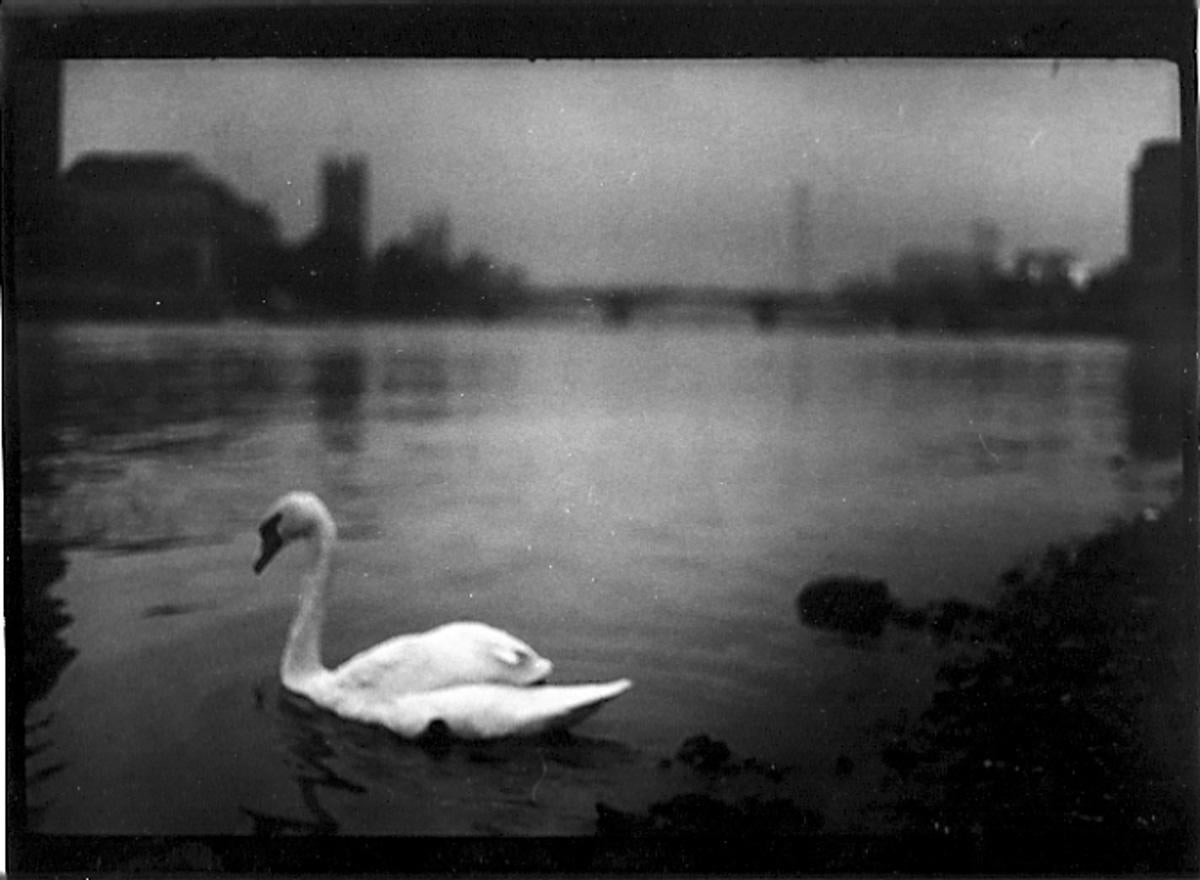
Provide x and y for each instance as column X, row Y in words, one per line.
column 1065, row 737
column 1062, row 736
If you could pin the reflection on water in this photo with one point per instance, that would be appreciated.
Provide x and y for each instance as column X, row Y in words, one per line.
column 203, row 395
column 417, row 385
column 1154, row 400
column 644, row 503
column 102, row 431
column 301, row 732
column 338, row 382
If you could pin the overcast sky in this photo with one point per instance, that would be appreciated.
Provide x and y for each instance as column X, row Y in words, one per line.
column 662, row 171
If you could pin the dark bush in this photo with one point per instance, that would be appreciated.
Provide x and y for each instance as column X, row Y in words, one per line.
column 849, row 604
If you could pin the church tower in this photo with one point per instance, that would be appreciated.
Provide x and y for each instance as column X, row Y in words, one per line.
column 344, row 208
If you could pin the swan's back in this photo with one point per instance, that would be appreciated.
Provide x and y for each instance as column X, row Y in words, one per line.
column 452, row 654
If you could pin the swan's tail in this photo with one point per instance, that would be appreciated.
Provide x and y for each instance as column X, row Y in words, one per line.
column 490, row 711
column 569, row 704
column 523, row 711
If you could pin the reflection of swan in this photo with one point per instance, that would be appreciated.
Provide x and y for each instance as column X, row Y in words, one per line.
column 465, row 678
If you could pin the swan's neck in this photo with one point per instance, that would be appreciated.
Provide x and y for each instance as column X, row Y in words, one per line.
column 302, row 656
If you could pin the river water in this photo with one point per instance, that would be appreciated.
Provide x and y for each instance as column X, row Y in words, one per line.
column 643, row 502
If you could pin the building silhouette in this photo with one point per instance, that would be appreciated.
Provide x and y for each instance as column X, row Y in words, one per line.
column 344, row 201
column 149, row 234
column 1156, row 205
column 329, row 271
column 1159, row 317
column 1157, row 302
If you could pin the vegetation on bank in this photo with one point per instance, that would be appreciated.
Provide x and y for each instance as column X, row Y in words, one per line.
column 1074, row 718
column 1062, row 736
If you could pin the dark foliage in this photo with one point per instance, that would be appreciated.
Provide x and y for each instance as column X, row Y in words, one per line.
column 762, row 813
column 704, row 753
column 850, row 604
column 860, row 606
column 1045, row 722
column 703, row 814
column 420, row 278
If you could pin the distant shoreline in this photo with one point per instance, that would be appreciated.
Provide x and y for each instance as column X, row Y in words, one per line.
column 60, row 302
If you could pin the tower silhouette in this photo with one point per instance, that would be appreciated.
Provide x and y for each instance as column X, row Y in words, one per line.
column 344, row 208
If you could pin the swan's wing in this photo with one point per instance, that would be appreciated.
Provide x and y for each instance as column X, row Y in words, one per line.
column 398, row 666
column 489, row 711
column 453, row 654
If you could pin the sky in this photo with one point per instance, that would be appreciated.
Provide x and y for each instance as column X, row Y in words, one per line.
column 735, row 173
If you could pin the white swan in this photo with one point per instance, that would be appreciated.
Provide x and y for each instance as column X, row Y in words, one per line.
column 471, row 679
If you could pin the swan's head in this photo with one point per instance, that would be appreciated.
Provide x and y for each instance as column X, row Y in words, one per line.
column 297, row 515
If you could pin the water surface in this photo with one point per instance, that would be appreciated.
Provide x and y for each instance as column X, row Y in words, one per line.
column 643, row 503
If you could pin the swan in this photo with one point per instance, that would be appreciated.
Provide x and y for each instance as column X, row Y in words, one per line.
column 466, row 678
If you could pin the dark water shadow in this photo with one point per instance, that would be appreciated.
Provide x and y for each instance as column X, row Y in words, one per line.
column 37, row 565
column 40, row 418
column 1153, row 400
column 45, row 656
column 45, row 653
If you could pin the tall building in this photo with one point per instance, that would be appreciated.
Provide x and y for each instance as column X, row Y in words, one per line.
column 330, row 266
column 1159, row 310
column 1156, row 205
column 344, row 208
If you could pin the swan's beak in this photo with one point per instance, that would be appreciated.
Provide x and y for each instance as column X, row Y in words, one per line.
column 268, row 532
column 265, row 555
